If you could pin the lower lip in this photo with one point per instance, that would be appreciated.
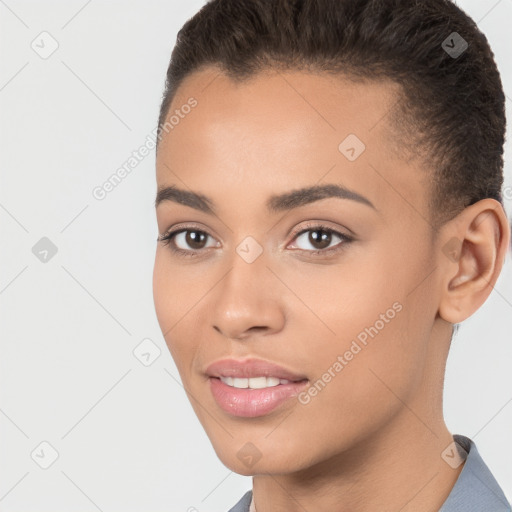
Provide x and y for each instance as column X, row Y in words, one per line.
column 250, row 403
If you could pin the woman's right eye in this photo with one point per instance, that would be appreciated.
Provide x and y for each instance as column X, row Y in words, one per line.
column 191, row 237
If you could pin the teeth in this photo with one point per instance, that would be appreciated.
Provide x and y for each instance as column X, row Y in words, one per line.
column 253, row 382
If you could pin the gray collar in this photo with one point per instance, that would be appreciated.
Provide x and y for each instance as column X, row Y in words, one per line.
column 476, row 488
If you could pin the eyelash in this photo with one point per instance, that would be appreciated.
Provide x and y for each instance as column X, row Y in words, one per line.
column 168, row 239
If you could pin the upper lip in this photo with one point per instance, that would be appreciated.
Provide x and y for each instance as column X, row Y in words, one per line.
column 247, row 368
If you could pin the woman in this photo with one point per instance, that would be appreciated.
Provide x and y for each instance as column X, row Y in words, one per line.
column 329, row 208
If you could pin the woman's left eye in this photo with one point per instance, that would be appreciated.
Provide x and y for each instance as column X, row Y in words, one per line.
column 320, row 237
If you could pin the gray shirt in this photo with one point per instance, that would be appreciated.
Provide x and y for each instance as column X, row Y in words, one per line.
column 476, row 490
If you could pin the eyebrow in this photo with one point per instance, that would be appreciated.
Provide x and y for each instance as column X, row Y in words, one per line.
column 275, row 204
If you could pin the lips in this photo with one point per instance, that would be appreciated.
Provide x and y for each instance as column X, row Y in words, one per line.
column 241, row 399
column 251, row 368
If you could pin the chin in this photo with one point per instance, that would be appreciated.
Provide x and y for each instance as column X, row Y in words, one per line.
column 258, row 469
column 247, row 462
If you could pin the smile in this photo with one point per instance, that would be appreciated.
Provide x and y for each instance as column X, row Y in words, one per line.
column 253, row 382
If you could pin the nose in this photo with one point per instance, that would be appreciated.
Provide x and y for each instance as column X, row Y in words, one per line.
column 248, row 301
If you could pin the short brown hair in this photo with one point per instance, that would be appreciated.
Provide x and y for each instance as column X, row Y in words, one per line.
column 452, row 107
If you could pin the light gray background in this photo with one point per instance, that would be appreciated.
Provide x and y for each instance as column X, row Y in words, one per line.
column 126, row 435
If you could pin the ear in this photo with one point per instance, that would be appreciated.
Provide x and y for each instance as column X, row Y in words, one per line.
column 473, row 247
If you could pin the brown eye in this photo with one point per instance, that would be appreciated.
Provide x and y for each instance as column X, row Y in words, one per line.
column 320, row 239
column 186, row 240
column 195, row 239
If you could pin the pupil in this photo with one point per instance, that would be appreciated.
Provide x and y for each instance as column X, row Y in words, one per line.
column 195, row 239
column 324, row 239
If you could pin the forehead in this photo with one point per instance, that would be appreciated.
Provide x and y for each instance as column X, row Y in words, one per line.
column 286, row 129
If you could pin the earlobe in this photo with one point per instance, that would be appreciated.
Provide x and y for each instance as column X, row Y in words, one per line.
column 472, row 253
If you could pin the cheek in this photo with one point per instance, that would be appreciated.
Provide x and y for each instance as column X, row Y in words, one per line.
column 372, row 350
column 162, row 289
column 378, row 359
column 366, row 333
column 354, row 384
column 169, row 296
column 173, row 293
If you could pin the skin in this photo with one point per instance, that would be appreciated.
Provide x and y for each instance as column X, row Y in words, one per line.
column 372, row 439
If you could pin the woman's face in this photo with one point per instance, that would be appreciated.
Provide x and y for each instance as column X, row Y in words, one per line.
column 350, row 313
